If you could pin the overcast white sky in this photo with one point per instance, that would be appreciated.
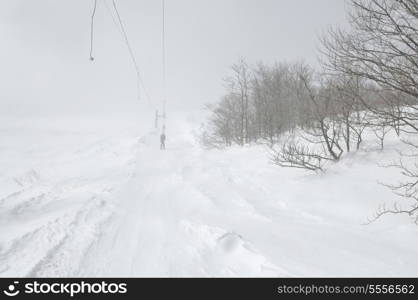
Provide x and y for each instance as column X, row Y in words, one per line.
column 44, row 53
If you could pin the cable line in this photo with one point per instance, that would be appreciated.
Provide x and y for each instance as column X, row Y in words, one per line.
column 131, row 53
column 92, row 29
column 118, row 22
column 164, row 60
column 112, row 15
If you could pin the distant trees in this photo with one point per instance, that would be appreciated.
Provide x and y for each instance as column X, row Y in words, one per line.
column 261, row 103
column 264, row 102
column 238, row 86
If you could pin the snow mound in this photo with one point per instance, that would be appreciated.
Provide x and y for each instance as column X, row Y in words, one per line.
column 230, row 242
column 223, row 253
column 28, row 178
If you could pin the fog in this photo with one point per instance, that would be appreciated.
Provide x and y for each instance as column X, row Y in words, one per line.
column 44, row 55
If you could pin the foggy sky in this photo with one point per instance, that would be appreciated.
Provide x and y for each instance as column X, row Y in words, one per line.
column 44, row 53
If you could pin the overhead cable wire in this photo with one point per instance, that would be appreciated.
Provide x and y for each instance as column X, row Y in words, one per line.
column 92, row 30
column 164, row 60
column 131, row 53
column 112, row 15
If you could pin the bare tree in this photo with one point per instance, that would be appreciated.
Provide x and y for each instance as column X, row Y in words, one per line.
column 382, row 49
column 239, row 86
column 406, row 189
column 299, row 156
column 380, row 130
column 382, row 46
column 325, row 129
column 320, row 140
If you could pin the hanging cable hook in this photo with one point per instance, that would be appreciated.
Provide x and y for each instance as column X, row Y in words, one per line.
column 92, row 30
column 122, row 31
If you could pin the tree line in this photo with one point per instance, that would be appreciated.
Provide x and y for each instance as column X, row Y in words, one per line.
column 368, row 82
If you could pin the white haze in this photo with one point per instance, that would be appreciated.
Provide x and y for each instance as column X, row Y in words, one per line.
column 44, row 57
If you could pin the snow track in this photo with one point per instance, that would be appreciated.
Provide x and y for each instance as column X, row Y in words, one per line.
column 121, row 207
column 157, row 232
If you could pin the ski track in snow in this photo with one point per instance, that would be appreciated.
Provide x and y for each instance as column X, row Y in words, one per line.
column 156, row 231
column 192, row 212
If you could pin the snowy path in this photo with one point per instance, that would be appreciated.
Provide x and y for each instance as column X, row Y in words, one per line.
column 158, row 231
column 138, row 211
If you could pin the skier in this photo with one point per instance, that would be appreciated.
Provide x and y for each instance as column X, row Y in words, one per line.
column 162, row 141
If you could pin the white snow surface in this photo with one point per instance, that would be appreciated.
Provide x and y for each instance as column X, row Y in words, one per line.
column 98, row 198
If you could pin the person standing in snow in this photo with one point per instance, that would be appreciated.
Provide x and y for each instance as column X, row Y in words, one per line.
column 162, row 141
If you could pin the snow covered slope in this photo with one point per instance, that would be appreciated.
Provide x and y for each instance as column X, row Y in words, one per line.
column 102, row 200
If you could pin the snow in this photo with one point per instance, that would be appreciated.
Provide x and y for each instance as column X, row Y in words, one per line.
column 98, row 198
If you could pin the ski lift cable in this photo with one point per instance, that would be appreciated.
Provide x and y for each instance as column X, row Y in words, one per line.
column 119, row 29
column 92, row 29
column 131, row 53
column 112, row 15
column 164, row 60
